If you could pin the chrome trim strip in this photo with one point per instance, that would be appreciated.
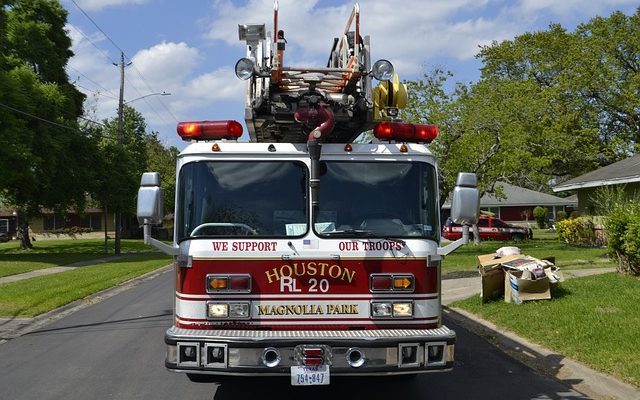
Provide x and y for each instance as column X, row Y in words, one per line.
column 381, row 321
column 377, row 295
column 372, row 335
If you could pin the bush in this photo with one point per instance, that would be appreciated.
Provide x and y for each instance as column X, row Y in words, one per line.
column 560, row 215
column 577, row 231
column 540, row 214
column 623, row 233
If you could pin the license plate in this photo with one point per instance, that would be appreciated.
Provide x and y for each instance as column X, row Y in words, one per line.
column 310, row 375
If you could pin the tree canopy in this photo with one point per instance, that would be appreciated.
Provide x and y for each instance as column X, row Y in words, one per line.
column 44, row 156
column 549, row 105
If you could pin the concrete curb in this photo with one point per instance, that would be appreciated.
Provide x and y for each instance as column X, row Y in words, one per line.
column 581, row 378
column 11, row 328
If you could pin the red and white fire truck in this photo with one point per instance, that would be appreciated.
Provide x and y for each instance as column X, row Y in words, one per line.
column 307, row 252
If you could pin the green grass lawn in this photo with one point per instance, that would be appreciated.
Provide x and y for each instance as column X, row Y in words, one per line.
column 543, row 244
column 54, row 253
column 35, row 296
column 594, row 320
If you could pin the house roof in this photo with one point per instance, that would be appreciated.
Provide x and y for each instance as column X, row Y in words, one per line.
column 621, row 172
column 519, row 196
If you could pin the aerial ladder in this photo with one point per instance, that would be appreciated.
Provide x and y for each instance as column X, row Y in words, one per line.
column 332, row 104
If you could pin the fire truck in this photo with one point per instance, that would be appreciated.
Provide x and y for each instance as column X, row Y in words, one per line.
column 312, row 250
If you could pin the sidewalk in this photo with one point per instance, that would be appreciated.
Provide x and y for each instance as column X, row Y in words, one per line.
column 68, row 267
column 461, row 288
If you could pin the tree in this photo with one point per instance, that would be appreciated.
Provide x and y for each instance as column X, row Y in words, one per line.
column 120, row 166
column 163, row 159
column 589, row 81
column 607, row 75
column 44, row 156
column 483, row 129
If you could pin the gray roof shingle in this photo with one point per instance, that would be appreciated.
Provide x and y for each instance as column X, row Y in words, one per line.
column 519, row 196
column 623, row 171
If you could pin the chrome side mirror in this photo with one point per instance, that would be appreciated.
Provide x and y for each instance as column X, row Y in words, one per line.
column 465, row 205
column 150, row 199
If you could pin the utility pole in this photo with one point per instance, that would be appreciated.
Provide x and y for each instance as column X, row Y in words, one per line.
column 118, row 212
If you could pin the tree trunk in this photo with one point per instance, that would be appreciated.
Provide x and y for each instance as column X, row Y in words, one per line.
column 23, row 233
column 106, row 236
column 476, row 235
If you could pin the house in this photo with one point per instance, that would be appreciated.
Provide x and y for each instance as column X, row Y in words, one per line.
column 48, row 221
column 625, row 173
column 517, row 204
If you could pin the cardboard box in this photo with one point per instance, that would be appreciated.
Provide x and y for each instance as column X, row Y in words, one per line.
column 489, row 262
column 518, row 290
column 490, row 269
column 492, row 285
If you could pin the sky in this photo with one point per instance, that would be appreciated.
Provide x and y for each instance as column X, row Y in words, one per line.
column 189, row 48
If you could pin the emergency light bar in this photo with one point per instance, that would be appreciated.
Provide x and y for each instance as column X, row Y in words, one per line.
column 209, row 130
column 405, row 132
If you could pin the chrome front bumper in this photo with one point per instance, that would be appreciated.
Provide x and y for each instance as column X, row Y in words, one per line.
column 363, row 352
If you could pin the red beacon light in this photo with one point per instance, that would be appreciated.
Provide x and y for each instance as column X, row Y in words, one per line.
column 405, row 132
column 209, row 130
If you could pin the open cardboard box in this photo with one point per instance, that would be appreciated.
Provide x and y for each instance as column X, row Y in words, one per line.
column 501, row 277
column 518, row 290
column 490, row 268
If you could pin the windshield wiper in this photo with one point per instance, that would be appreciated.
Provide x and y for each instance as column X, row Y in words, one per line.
column 354, row 232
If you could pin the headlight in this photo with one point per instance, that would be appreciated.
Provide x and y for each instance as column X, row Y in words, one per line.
column 381, row 310
column 403, row 309
column 382, row 70
column 239, row 310
column 217, row 310
column 245, row 68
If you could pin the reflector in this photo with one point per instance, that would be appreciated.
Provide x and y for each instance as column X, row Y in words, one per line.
column 379, row 282
column 218, row 283
column 239, row 283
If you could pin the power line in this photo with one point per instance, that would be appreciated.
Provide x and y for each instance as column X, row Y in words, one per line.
column 136, row 69
column 46, row 120
column 96, row 25
column 96, row 92
column 92, row 81
column 151, row 90
column 103, row 52
column 67, row 113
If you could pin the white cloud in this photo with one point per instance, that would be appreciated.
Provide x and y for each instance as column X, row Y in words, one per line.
column 407, row 32
column 165, row 64
column 97, row 5
column 566, row 8
column 219, row 85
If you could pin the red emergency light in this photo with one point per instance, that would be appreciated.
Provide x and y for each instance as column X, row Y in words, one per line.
column 209, row 130
column 405, row 132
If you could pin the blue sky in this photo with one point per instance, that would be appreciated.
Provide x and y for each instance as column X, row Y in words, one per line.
column 189, row 48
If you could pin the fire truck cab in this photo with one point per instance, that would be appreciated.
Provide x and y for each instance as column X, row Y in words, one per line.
column 303, row 253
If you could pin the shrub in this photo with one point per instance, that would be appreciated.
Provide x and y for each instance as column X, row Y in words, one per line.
column 623, row 233
column 560, row 215
column 577, row 231
column 540, row 214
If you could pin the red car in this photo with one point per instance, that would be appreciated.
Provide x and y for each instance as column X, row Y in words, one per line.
column 490, row 228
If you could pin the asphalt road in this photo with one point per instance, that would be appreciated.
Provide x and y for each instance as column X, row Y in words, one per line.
column 114, row 350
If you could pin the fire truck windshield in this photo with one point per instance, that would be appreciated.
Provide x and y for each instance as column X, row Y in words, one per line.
column 377, row 199
column 241, row 199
